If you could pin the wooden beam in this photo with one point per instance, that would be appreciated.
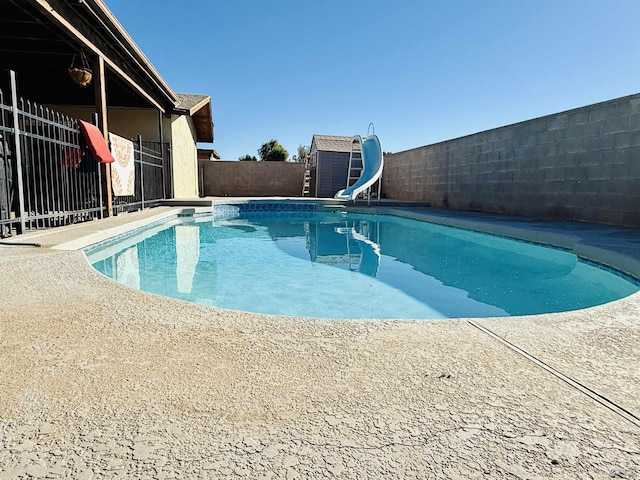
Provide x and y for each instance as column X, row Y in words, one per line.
column 194, row 109
column 63, row 22
column 101, row 109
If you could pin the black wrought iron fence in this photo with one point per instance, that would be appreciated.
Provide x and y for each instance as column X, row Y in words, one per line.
column 149, row 161
column 44, row 179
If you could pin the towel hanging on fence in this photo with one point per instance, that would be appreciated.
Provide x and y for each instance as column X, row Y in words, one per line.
column 123, row 172
column 72, row 157
column 95, row 141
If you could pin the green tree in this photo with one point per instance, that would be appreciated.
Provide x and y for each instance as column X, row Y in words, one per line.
column 248, row 158
column 272, row 151
column 303, row 153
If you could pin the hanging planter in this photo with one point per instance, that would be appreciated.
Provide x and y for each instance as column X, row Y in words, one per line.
column 80, row 74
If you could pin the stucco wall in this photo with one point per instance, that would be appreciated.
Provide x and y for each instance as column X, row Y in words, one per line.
column 126, row 122
column 184, row 157
column 178, row 130
column 582, row 164
column 263, row 179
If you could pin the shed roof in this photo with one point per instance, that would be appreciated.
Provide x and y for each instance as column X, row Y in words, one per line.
column 333, row 143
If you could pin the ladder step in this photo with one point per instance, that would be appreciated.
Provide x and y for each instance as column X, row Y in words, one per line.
column 306, row 183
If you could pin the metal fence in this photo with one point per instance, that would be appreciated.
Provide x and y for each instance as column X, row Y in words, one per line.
column 45, row 180
column 150, row 159
column 47, row 177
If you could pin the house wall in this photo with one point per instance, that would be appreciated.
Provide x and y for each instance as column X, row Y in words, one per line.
column 178, row 130
column 130, row 123
column 248, row 179
column 184, row 157
column 582, row 164
column 126, row 122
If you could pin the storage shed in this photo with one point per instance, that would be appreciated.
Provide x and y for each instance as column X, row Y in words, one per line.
column 329, row 164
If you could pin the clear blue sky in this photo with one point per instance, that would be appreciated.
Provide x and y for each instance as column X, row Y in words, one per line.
column 423, row 71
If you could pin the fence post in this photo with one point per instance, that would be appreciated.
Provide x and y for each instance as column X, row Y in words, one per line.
column 95, row 120
column 141, row 173
column 17, row 152
column 169, row 171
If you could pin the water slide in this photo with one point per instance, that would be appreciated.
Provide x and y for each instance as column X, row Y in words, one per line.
column 369, row 250
column 372, row 163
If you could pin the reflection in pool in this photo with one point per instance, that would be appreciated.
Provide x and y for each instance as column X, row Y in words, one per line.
column 354, row 266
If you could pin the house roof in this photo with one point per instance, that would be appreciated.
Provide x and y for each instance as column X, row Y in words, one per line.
column 39, row 38
column 198, row 107
column 191, row 102
column 333, row 143
column 208, row 154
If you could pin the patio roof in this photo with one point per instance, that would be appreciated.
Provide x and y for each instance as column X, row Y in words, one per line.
column 38, row 39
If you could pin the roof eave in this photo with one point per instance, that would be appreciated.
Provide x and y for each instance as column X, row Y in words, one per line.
column 202, row 119
column 117, row 30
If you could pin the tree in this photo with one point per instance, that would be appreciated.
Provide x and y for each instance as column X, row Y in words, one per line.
column 272, row 151
column 303, row 153
column 248, row 158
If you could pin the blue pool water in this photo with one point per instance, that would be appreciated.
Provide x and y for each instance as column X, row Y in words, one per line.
column 337, row 265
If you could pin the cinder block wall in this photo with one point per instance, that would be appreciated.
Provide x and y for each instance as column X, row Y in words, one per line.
column 251, row 179
column 582, row 164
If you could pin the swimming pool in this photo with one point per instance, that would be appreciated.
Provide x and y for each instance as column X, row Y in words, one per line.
column 301, row 262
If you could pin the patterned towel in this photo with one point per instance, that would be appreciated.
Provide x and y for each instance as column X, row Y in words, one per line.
column 123, row 172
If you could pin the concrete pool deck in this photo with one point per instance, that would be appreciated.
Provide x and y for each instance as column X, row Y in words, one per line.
column 101, row 381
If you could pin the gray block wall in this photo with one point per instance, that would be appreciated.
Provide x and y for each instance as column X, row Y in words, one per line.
column 247, row 179
column 582, row 164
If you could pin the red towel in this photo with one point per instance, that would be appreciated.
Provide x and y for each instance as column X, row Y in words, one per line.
column 71, row 157
column 96, row 142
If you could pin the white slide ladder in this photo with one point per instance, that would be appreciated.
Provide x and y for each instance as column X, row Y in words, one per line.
column 372, row 164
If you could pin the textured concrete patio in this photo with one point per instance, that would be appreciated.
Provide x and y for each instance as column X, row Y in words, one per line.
column 101, row 381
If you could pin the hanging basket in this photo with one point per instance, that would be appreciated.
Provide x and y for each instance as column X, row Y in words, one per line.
column 81, row 74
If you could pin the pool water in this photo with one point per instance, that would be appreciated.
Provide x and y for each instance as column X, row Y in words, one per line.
column 346, row 265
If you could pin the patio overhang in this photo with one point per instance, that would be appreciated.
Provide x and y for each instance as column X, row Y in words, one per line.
column 39, row 38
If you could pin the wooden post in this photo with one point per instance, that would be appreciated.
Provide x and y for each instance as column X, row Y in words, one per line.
column 101, row 110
